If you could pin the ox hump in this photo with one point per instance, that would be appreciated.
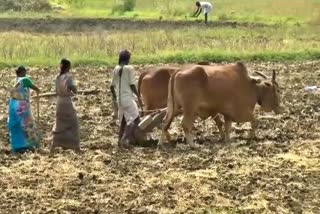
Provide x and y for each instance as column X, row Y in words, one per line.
column 241, row 68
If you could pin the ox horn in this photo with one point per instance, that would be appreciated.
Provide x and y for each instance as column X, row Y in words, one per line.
column 273, row 76
column 261, row 74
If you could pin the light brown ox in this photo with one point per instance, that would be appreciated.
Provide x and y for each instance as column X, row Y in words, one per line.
column 153, row 85
column 205, row 91
column 153, row 88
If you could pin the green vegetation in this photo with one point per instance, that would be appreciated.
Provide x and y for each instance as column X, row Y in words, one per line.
column 270, row 11
column 288, row 35
column 163, row 46
column 125, row 6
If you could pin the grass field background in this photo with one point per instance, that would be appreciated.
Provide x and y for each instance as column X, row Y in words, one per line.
column 290, row 32
column 162, row 46
column 272, row 11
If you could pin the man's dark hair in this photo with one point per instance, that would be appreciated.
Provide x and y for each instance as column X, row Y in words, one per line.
column 198, row 4
column 124, row 57
column 21, row 69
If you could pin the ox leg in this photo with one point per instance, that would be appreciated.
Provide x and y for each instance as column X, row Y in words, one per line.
column 227, row 125
column 52, row 151
column 187, row 124
column 165, row 135
column 254, row 125
column 220, row 127
column 168, row 137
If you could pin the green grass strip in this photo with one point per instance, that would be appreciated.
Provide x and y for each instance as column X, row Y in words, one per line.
column 179, row 58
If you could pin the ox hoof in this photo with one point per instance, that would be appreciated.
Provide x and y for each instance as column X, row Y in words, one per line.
column 222, row 139
column 124, row 145
column 227, row 141
column 253, row 138
column 165, row 146
column 52, row 152
column 194, row 146
column 252, row 135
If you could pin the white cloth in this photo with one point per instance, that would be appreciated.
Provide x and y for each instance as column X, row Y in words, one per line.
column 127, row 106
column 127, row 79
column 129, row 110
column 206, row 6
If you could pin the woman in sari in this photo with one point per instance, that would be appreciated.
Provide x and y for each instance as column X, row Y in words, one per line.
column 23, row 132
column 66, row 128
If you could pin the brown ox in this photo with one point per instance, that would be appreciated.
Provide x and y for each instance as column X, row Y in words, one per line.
column 227, row 89
column 153, row 87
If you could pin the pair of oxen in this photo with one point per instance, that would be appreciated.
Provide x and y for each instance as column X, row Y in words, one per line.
column 208, row 91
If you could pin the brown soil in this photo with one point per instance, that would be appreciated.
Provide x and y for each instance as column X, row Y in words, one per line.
column 58, row 25
column 278, row 173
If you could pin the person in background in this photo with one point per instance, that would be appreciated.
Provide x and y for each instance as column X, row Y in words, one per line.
column 23, row 132
column 206, row 7
column 123, row 89
column 66, row 128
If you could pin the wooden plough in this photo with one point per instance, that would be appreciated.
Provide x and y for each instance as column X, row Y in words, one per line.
column 149, row 122
column 152, row 120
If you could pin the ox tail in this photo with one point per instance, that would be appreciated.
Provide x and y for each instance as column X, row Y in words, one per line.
column 140, row 82
column 171, row 103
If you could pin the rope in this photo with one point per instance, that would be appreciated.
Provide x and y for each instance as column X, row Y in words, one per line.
column 153, row 111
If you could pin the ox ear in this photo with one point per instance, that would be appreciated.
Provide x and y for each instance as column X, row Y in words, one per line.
column 255, row 81
column 267, row 84
column 273, row 76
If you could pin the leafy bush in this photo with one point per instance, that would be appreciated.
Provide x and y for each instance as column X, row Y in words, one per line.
column 129, row 5
column 25, row 5
column 74, row 3
column 124, row 6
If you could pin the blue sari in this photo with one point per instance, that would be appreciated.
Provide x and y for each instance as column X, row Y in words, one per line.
column 23, row 132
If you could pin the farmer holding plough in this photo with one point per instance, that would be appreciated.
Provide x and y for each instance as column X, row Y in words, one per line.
column 123, row 89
